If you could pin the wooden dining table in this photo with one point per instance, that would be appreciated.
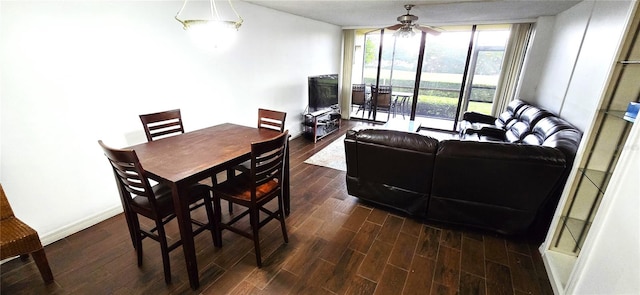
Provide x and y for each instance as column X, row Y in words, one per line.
column 188, row 158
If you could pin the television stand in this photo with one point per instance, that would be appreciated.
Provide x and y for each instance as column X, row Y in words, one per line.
column 318, row 124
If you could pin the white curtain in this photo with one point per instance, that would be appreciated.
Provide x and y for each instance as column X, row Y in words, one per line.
column 512, row 66
column 348, row 40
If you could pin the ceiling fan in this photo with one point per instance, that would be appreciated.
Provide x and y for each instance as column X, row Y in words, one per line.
column 407, row 24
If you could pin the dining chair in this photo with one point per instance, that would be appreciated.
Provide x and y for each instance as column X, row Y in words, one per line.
column 138, row 197
column 162, row 124
column 358, row 98
column 267, row 119
column 19, row 239
column 382, row 95
column 254, row 190
column 271, row 119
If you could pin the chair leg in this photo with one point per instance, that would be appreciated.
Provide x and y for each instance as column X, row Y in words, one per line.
column 42, row 263
column 138, row 248
column 130, row 217
column 211, row 217
column 283, row 226
column 255, row 227
column 164, row 248
column 230, row 174
column 217, row 218
column 137, row 237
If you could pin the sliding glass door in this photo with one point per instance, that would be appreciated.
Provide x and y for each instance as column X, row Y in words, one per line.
column 459, row 70
column 486, row 65
column 395, row 67
column 442, row 79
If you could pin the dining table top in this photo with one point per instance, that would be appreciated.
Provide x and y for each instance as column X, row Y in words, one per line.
column 399, row 93
column 198, row 153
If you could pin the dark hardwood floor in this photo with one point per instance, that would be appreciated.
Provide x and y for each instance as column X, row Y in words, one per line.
column 337, row 245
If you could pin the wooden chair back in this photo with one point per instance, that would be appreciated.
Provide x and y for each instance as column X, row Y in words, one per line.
column 270, row 119
column 129, row 176
column 162, row 124
column 267, row 164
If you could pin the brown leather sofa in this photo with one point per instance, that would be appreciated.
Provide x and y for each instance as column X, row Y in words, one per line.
column 502, row 186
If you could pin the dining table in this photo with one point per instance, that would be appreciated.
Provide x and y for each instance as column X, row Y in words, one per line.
column 191, row 157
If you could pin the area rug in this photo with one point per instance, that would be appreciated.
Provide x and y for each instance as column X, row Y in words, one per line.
column 331, row 156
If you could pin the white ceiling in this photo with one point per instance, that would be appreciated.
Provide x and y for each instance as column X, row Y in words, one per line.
column 380, row 13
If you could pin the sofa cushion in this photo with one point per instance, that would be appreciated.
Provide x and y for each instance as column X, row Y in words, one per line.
column 506, row 119
column 526, row 121
column 567, row 141
column 544, row 128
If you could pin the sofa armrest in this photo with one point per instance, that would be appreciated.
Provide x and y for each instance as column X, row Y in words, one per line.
column 492, row 132
column 475, row 117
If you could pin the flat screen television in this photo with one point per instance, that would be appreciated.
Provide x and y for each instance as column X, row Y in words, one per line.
column 323, row 92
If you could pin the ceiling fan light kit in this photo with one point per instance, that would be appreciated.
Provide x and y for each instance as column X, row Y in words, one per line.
column 405, row 32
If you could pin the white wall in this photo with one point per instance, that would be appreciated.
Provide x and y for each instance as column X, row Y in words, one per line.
column 593, row 67
column 581, row 48
column 536, row 52
column 76, row 72
column 567, row 35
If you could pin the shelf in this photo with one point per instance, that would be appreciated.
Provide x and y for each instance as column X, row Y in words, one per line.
column 319, row 124
column 617, row 114
column 560, row 266
column 630, row 62
column 600, row 179
column 575, row 228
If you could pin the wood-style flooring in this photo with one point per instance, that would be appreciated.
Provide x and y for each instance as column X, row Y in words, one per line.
column 337, row 245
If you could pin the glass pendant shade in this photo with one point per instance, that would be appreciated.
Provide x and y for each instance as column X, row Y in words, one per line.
column 405, row 32
column 214, row 32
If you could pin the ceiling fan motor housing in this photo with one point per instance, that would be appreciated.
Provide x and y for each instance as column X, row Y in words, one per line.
column 407, row 18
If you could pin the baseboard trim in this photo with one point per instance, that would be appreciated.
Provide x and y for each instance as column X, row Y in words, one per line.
column 75, row 227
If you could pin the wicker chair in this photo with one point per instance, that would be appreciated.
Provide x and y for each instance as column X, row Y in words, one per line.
column 19, row 239
column 382, row 96
column 358, row 98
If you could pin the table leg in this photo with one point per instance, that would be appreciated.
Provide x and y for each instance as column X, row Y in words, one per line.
column 183, row 215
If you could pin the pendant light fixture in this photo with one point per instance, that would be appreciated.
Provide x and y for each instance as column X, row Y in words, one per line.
column 215, row 31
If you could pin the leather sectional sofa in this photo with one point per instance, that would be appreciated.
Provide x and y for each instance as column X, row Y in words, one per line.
column 507, row 179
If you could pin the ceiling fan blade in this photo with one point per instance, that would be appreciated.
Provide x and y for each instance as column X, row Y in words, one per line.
column 428, row 30
column 394, row 27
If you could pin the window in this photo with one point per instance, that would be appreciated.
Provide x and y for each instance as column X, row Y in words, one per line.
column 459, row 71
